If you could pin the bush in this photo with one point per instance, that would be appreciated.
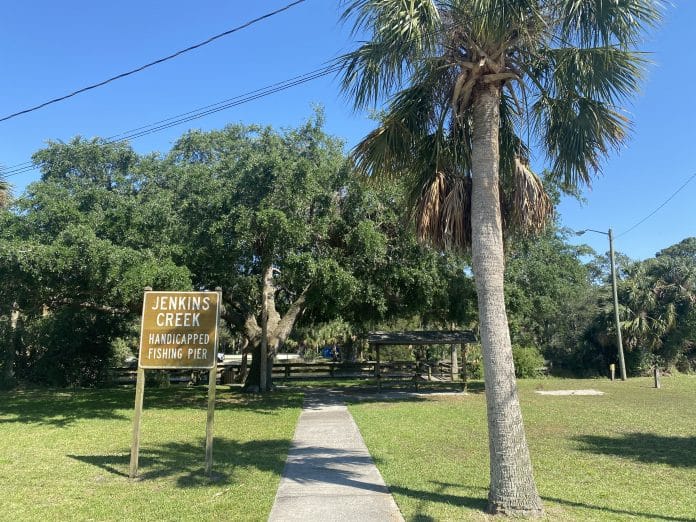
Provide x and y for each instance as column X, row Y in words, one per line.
column 7, row 347
column 157, row 379
column 68, row 347
column 474, row 362
column 529, row 362
column 121, row 353
column 686, row 364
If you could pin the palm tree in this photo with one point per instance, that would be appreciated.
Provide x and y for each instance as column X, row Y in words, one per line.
column 5, row 193
column 470, row 82
column 658, row 296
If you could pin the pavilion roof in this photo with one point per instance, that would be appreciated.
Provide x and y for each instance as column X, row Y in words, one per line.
column 419, row 337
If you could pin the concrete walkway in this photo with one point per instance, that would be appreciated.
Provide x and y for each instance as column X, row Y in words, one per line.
column 329, row 475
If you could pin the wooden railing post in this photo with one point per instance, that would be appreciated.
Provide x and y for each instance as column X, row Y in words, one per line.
column 465, row 373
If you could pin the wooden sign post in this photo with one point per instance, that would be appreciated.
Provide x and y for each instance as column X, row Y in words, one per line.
column 178, row 330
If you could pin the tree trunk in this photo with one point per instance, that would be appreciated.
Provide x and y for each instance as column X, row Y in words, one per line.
column 265, row 365
column 465, row 371
column 275, row 334
column 454, row 369
column 243, row 368
column 11, row 348
column 512, row 488
column 253, row 379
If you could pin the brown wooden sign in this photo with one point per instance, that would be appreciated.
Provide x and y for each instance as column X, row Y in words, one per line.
column 179, row 330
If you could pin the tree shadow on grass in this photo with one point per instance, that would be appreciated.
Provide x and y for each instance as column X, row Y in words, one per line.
column 439, row 496
column 678, row 452
column 480, row 504
column 623, row 512
column 405, row 393
column 61, row 408
column 185, row 462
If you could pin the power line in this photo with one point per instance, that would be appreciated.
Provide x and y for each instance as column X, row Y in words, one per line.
column 658, row 208
column 232, row 102
column 28, row 166
column 200, row 112
column 156, row 62
column 224, row 104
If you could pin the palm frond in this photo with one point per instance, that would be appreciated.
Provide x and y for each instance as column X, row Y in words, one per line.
column 605, row 22
column 428, row 211
column 562, row 69
column 411, row 132
column 442, row 212
column 456, row 221
column 577, row 133
column 402, row 33
column 527, row 208
column 608, row 73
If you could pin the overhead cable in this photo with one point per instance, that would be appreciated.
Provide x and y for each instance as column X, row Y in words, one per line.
column 658, row 208
column 199, row 113
column 151, row 64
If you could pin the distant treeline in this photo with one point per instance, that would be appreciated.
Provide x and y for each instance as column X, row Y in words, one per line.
column 257, row 211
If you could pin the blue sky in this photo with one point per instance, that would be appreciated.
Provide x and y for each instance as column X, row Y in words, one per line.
column 48, row 49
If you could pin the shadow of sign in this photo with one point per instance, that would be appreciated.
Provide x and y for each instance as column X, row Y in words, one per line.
column 182, row 461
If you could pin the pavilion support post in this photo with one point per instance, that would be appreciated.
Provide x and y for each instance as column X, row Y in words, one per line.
column 378, row 370
column 465, row 373
column 454, row 370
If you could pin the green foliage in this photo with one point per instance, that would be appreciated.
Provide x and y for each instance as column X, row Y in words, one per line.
column 657, row 311
column 529, row 362
column 391, row 275
column 5, row 193
column 68, row 347
column 104, row 222
column 658, row 300
column 549, row 296
column 72, row 261
column 7, row 353
column 120, row 352
column 474, row 361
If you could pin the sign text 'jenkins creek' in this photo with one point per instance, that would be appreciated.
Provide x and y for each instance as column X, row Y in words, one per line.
column 179, row 330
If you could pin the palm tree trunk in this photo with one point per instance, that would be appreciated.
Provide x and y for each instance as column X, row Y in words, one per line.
column 512, row 488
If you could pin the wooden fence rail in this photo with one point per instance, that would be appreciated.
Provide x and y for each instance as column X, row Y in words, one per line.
column 283, row 371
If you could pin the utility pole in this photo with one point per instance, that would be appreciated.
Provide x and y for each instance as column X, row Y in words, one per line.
column 622, row 362
column 619, row 342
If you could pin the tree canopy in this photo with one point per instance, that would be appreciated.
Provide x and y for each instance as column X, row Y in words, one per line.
column 251, row 209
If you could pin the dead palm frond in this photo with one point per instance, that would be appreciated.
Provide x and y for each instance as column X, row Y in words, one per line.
column 442, row 212
column 428, row 213
column 527, row 208
column 5, row 193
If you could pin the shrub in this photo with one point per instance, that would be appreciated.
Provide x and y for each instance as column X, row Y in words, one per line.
column 157, row 379
column 69, row 347
column 474, row 362
column 7, row 347
column 121, row 352
column 528, row 361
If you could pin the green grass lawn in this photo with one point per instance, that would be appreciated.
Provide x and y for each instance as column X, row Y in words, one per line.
column 627, row 455
column 64, row 455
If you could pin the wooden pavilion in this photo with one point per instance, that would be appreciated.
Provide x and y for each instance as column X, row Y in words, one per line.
column 421, row 338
